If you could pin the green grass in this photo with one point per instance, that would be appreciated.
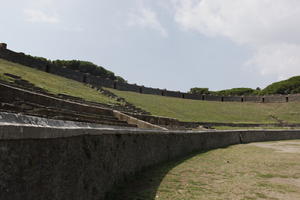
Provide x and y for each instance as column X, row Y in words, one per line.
column 228, row 173
column 253, row 128
column 52, row 83
column 207, row 111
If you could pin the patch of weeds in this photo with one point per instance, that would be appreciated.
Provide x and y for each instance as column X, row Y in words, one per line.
column 261, row 195
column 272, row 176
column 277, row 187
column 249, row 198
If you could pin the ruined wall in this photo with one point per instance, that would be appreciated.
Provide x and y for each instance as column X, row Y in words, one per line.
column 256, row 99
column 193, row 96
column 23, row 59
column 128, row 87
column 275, row 98
column 212, row 98
column 294, row 97
column 10, row 94
column 66, row 163
column 169, row 93
column 98, row 81
column 66, row 72
column 233, row 98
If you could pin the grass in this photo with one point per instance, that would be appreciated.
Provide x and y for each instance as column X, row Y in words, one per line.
column 253, row 128
column 52, row 83
column 228, row 173
column 207, row 111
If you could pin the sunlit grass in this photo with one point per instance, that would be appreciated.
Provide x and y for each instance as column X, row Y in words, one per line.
column 52, row 83
column 208, row 111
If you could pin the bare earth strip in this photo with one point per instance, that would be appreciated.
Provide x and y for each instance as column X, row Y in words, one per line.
column 268, row 170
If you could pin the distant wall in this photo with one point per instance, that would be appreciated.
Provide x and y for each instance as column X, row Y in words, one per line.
column 148, row 90
column 98, row 81
column 127, row 87
column 73, row 163
column 66, row 72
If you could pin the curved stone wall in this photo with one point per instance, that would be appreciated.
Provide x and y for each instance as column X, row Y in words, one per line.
column 21, row 58
column 86, row 163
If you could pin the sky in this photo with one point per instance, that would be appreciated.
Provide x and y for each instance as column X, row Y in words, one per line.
column 167, row 44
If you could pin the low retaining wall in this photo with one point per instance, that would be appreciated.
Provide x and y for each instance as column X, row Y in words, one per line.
column 85, row 164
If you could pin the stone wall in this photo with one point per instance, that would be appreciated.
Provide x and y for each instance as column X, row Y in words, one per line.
column 23, row 59
column 73, row 163
column 66, row 72
column 98, row 82
column 294, row 97
column 154, row 91
column 193, row 96
column 128, row 87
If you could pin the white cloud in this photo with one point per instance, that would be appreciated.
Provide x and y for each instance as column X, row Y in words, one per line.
column 38, row 16
column 147, row 18
column 282, row 60
column 270, row 27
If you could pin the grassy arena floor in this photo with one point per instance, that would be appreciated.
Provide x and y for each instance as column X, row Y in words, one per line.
column 52, row 83
column 207, row 111
column 271, row 172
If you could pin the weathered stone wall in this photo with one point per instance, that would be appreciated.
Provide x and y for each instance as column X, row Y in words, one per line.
column 193, row 96
column 275, row 98
column 23, row 59
column 169, row 93
column 256, row 99
column 212, row 98
column 294, row 97
column 66, row 163
column 3, row 46
column 128, row 87
column 148, row 90
column 98, row 81
column 233, row 98
column 66, row 72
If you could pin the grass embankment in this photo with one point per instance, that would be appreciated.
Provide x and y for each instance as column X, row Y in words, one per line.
column 271, row 172
column 207, row 111
column 52, row 83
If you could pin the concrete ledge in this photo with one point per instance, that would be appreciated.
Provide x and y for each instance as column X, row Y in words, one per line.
column 86, row 163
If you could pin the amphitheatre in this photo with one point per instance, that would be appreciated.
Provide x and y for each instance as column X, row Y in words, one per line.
column 69, row 134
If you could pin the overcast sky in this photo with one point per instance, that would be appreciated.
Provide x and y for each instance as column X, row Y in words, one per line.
column 173, row 44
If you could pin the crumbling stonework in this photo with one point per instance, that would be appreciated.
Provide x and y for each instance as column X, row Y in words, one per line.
column 3, row 46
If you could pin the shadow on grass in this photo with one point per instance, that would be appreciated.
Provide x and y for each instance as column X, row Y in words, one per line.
column 145, row 184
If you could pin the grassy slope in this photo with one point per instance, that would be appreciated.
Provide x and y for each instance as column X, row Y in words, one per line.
column 193, row 110
column 52, row 83
column 227, row 173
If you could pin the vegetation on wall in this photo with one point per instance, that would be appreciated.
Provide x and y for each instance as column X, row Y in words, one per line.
column 229, row 92
column 236, row 92
column 289, row 86
column 199, row 91
column 84, row 67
